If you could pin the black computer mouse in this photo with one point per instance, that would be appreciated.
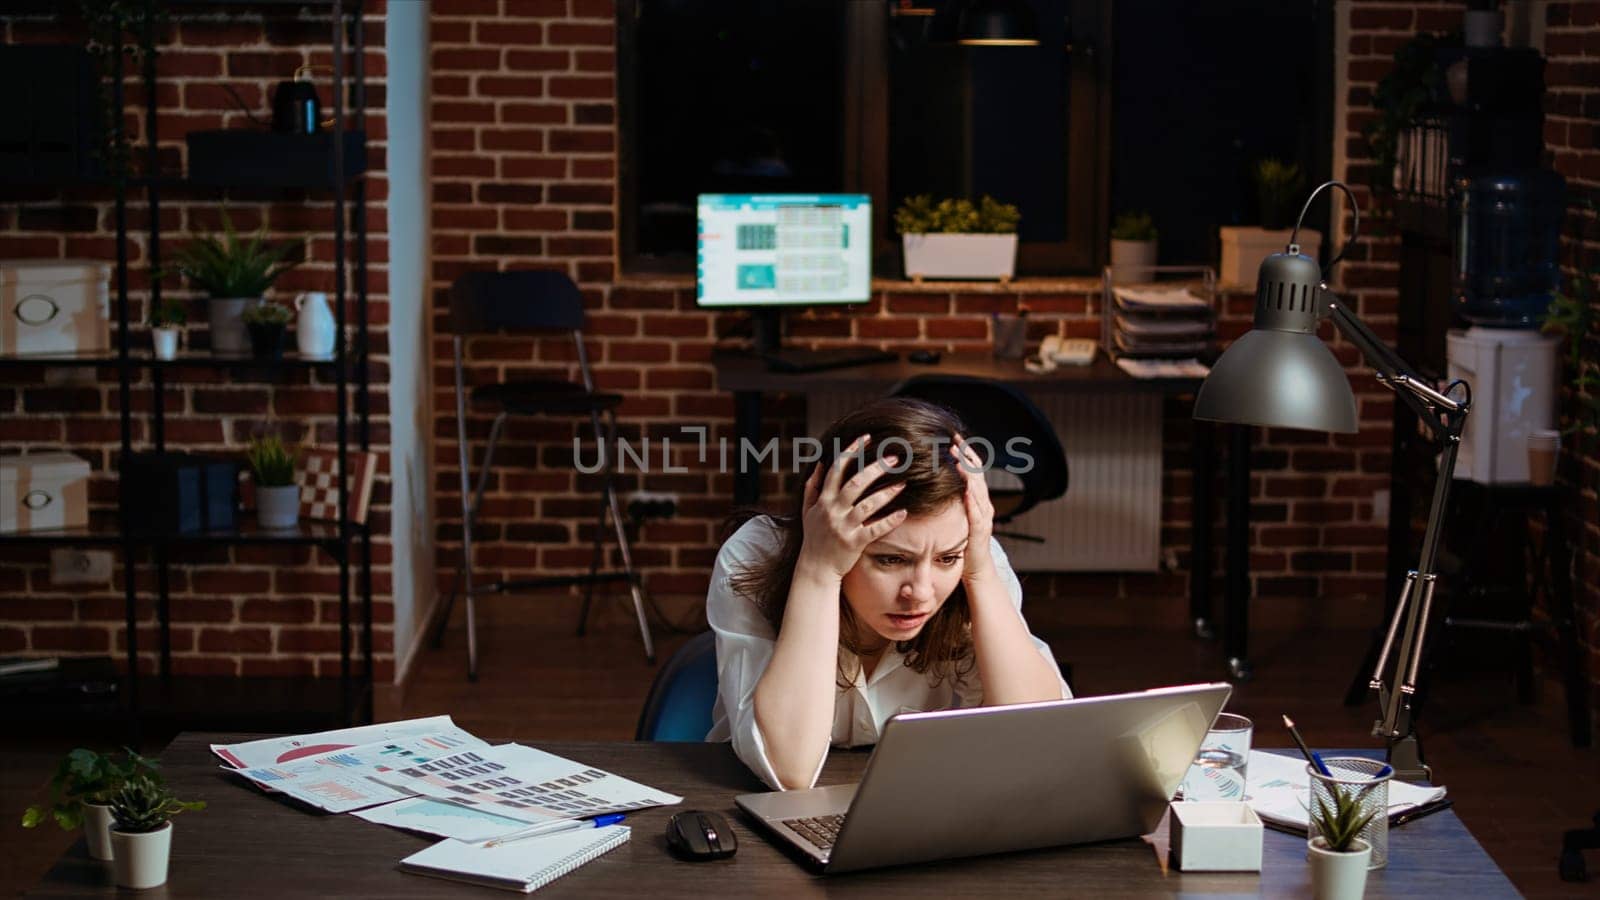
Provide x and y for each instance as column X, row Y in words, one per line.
column 926, row 357
column 700, row 836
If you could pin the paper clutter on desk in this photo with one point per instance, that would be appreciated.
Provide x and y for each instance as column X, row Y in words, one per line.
column 1215, row 836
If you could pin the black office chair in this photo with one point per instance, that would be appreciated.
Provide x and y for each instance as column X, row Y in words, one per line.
column 497, row 302
column 999, row 413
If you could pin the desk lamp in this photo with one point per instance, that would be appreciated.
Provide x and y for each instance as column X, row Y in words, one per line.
column 1280, row 374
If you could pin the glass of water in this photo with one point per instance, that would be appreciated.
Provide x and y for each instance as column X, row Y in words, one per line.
column 1219, row 768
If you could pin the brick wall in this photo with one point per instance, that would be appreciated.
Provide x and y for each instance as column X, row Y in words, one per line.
column 524, row 174
column 257, row 610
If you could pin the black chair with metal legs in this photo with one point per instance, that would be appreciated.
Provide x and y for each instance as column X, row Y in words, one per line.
column 999, row 414
column 498, row 302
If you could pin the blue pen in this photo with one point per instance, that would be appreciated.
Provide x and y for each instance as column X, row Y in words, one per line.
column 1321, row 766
column 556, row 827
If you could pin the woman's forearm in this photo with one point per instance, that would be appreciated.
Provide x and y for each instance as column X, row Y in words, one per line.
column 795, row 697
column 1008, row 662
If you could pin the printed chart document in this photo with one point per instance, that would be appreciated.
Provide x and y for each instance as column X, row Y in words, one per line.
column 1280, row 790
column 444, row 818
column 526, row 784
column 345, row 780
column 520, row 865
column 276, row 750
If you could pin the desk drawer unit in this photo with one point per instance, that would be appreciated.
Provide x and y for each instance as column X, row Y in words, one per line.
column 1110, row 518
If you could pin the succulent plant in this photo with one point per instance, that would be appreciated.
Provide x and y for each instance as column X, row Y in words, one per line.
column 267, row 314
column 144, row 805
column 1341, row 821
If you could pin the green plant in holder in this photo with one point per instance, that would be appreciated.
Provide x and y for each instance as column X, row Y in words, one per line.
column 144, row 805
column 1340, row 822
column 271, row 462
column 233, row 265
column 85, row 776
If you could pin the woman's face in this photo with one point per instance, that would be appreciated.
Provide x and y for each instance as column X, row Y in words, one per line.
column 903, row 578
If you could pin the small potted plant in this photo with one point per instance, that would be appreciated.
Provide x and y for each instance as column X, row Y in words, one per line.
column 1280, row 192
column 235, row 272
column 268, row 323
column 166, row 324
column 1133, row 248
column 1338, row 857
column 957, row 238
column 81, row 791
column 277, row 495
column 141, row 831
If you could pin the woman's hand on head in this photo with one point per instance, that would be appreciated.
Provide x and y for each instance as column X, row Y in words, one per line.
column 977, row 560
column 837, row 519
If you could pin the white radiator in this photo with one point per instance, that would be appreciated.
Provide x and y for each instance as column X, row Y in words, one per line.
column 1110, row 518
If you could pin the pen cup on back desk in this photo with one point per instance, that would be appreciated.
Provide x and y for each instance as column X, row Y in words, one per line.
column 1368, row 781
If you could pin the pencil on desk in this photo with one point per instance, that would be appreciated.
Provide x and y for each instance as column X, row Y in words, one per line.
column 1312, row 758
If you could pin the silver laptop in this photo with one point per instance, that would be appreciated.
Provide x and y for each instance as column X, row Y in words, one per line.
column 965, row 782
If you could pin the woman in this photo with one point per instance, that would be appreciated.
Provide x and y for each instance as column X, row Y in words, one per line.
column 883, row 593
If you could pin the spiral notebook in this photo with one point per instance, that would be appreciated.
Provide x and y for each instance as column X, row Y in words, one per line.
column 524, row 865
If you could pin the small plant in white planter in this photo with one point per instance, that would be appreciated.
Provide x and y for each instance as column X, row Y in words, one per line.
column 141, row 832
column 957, row 239
column 1280, row 190
column 235, row 272
column 81, row 791
column 1338, row 858
column 277, row 494
column 166, row 325
column 1133, row 248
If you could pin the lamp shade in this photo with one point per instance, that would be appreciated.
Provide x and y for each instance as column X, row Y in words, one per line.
column 1280, row 374
column 998, row 23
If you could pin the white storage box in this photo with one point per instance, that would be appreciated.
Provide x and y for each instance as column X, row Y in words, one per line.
column 961, row 256
column 43, row 490
column 1243, row 249
column 1513, row 379
column 54, row 306
column 1215, row 836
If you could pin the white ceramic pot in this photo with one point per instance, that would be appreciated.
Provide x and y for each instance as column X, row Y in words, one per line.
column 228, row 334
column 967, row 256
column 165, row 340
column 1338, row 876
column 278, row 507
column 1132, row 262
column 141, row 860
column 314, row 329
column 97, row 830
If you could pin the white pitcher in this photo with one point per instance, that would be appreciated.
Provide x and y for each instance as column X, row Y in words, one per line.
column 315, row 332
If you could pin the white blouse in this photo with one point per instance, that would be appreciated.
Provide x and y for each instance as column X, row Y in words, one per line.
column 745, row 642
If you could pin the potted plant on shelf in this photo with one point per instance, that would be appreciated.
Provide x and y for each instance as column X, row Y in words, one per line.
column 235, row 272
column 81, row 791
column 268, row 323
column 1280, row 188
column 957, row 239
column 1133, row 248
column 166, row 325
column 1338, row 858
column 141, row 833
column 277, row 495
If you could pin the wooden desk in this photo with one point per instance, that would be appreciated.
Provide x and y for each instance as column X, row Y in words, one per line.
column 748, row 378
column 247, row 844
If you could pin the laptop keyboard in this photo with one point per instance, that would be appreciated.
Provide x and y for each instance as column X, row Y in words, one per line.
column 820, row 830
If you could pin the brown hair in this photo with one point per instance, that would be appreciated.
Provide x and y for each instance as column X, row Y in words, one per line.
column 920, row 433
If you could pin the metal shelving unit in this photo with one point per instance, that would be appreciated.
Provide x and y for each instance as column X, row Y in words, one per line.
column 349, row 543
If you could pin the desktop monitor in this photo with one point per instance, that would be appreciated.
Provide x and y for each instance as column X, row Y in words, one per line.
column 770, row 250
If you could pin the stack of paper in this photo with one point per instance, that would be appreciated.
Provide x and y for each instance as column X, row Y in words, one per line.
column 1280, row 791
column 1158, row 322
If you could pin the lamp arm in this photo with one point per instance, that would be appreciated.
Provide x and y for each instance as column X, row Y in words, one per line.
column 1446, row 417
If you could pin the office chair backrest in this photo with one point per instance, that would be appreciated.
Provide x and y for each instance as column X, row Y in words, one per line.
column 999, row 413
column 486, row 302
column 685, row 690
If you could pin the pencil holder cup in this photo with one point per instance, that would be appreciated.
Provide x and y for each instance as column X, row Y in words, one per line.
column 1010, row 337
column 1366, row 779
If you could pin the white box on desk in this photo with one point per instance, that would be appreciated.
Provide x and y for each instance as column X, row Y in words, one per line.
column 43, row 490
column 1215, row 836
column 54, row 306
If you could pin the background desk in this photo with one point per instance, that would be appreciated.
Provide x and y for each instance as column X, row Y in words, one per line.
column 248, row 844
column 748, row 378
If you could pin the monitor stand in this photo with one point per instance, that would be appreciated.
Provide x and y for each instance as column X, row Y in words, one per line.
column 767, row 342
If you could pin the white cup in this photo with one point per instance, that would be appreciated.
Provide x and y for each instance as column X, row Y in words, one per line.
column 1544, row 446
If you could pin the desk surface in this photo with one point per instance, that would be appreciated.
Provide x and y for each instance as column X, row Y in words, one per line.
column 739, row 371
column 247, row 844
